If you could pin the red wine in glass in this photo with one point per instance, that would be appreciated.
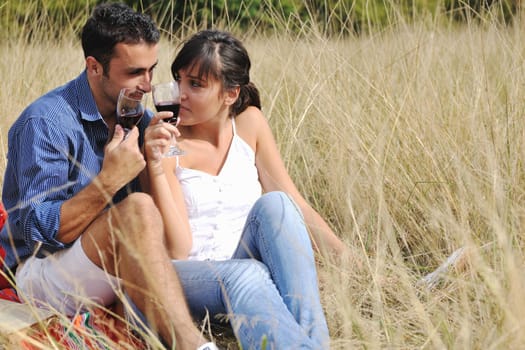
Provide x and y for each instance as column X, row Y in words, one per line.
column 169, row 107
column 166, row 97
column 130, row 108
column 129, row 120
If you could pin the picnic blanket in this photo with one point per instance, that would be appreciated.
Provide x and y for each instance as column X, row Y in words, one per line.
column 93, row 330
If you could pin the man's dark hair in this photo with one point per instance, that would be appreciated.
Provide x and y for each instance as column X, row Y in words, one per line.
column 111, row 24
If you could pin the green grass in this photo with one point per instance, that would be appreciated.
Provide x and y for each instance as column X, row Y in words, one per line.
column 409, row 142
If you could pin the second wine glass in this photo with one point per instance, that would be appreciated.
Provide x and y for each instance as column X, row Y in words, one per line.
column 166, row 97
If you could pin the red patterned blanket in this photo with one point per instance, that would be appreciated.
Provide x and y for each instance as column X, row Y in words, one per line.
column 94, row 330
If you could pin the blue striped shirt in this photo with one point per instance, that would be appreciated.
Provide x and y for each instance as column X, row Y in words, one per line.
column 55, row 148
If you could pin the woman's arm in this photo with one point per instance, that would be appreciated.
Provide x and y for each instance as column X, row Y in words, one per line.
column 166, row 191
column 274, row 177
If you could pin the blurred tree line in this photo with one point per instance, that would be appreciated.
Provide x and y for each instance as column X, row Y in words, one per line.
column 329, row 17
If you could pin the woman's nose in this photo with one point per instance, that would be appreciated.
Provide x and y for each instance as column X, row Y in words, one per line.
column 182, row 92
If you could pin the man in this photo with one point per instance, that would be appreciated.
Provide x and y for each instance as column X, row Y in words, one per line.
column 78, row 227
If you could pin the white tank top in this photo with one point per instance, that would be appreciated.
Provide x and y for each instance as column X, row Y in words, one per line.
column 218, row 205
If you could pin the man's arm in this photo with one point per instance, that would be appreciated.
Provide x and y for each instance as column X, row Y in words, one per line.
column 52, row 209
column 122, row 162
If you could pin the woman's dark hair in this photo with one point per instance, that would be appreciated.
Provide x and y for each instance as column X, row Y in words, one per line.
column 111, row 24
column 220, row 55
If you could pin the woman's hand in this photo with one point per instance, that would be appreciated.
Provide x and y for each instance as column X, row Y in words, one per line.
column 157, row 139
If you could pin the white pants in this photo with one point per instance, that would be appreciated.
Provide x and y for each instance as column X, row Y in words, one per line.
column 66, row 281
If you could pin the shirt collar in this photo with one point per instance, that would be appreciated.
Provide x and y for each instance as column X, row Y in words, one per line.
column 86, row 103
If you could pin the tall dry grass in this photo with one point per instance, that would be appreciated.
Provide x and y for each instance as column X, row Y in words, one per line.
column 409, row 142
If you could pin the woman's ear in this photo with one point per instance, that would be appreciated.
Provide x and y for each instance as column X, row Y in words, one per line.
column 232, row 95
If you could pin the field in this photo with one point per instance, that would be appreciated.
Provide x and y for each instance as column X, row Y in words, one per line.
column 409, row 142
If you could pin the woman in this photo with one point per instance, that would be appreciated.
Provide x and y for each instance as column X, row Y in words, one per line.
column 214, row 211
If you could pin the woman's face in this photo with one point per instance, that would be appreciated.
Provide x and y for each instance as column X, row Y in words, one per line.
column 202, row 98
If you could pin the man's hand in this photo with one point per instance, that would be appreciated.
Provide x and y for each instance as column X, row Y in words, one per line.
column 123, row 160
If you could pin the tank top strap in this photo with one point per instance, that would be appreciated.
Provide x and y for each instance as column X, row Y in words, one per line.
column 233, row 126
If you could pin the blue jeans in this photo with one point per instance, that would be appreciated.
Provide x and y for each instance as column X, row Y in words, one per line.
column 269, row 288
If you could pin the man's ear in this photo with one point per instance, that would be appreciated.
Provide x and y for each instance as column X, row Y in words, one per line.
column 93, row 66
column 232, row 95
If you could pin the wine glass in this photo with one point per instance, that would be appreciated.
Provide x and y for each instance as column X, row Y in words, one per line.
column 130, row 108
column 166, row 97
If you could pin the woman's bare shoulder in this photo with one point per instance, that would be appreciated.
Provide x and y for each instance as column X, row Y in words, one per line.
column 250, row 112
column 249, row 123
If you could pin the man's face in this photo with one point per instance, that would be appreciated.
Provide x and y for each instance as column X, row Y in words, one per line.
column 131, row 66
